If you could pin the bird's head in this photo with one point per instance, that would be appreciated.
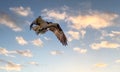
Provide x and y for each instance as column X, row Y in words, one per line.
column 39, row 16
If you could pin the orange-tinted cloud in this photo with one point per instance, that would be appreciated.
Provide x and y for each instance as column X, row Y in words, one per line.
column 105, row 44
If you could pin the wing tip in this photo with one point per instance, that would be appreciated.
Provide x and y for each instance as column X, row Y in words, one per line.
column 65, row 44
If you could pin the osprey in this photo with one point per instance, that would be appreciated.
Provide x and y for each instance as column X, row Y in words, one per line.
column 42, row 27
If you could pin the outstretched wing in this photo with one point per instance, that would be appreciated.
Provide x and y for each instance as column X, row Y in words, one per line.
column 59, row 34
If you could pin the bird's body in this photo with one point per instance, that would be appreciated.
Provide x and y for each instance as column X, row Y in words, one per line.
column 42, row 27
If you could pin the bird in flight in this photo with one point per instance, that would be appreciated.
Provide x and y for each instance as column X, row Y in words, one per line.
column 42, row 26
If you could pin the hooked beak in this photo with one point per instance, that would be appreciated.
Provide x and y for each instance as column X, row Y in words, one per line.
column 31, row 26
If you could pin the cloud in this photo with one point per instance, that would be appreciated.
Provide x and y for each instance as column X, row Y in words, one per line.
column 82, row 32
column 79, row 20
column 21, row 40
column 95, row 20
column 37, row 42
column 34, row 63
column 54, row 14
column 73, row 35
column 80, row 50
column 22, row 11
column 115, row 36
column 111, row 34
column 117, row 61
column 5, row 52
column 100, row 65
column 26, row 53
column 115, row 33
column 105, row 34
column 7, row 21
column 56, row 52
column 104, row 44
column 10, row 66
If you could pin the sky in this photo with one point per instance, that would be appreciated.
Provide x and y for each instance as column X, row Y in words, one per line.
column 92, row 28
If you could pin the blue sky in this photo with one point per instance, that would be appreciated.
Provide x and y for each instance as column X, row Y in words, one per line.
column 92, row 28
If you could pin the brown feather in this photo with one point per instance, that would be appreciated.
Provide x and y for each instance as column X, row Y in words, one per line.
column 59, row 34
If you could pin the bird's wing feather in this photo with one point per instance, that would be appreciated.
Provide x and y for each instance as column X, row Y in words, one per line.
column 59, row 34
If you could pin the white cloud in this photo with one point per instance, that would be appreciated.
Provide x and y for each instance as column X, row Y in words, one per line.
column 100, row 65
column 104, row 34
column 116, row 33
column 80, row 50
column 37, row 42
column 82, row 32
column 10, row 66
column 104, row 44
column 56, row 52
column 53, row 14
column 33, row 63
column 96, row 20
column 117, row 61
column 6, row 20
column 111, row 34
column 73, row 35
column 22, row 10
column 77, row 20
column 3, row 51
column 21, row 40
column 26, row 53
